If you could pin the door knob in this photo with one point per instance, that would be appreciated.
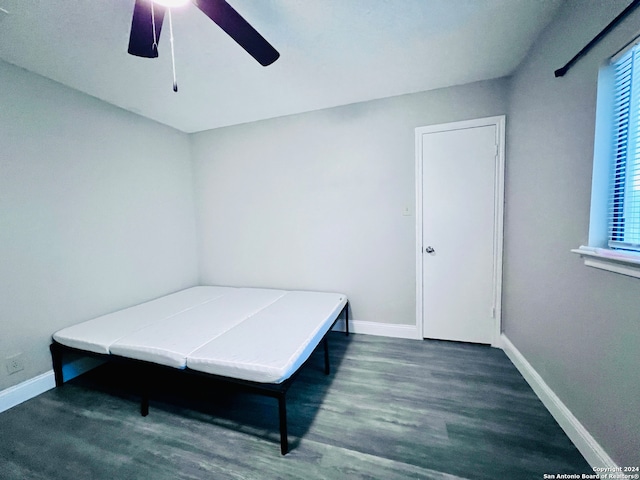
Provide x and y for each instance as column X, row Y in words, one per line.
column 429, row 250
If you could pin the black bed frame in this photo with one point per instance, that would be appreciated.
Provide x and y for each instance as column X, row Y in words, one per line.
column 273, row 390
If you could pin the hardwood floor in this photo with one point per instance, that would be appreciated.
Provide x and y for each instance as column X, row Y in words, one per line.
column 391, row 409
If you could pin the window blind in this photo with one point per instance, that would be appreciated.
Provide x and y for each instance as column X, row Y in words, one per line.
column 624, row 196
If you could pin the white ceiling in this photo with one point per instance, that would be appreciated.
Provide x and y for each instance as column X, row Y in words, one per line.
column 333, row 52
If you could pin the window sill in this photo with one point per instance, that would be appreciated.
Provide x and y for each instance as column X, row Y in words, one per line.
column 624, row 263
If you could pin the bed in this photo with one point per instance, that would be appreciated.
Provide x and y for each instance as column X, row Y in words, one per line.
column 255, row 338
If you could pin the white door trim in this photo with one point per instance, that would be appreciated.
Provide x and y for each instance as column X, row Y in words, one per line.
column 499, row 122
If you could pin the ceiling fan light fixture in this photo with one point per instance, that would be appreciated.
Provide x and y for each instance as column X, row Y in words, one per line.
column 171, row 3
column 146, row 25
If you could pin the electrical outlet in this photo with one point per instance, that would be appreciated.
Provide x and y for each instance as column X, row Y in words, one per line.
column 14, row 364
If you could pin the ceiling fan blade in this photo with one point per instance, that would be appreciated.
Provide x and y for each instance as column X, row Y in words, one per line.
column 239, row 29
column 141, row 41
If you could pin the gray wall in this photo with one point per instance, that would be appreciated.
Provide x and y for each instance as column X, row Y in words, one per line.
column 96, row 213
column 578, row 327
column 315, row 201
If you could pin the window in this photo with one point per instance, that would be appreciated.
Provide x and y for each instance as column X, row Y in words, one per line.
column 624, row 178
column 614, row 229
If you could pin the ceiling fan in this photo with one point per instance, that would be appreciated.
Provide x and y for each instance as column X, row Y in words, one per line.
column 149, row 14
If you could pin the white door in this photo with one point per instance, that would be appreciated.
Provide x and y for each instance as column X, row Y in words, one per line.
column 461, row 229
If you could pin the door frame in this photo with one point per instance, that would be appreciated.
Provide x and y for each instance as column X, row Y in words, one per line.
column 499, row 123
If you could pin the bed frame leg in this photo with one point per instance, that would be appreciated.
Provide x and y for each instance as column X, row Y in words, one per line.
column 56, row 357
column 346, row 319
column 144, row 400
column 284, row 440
column 144, row 404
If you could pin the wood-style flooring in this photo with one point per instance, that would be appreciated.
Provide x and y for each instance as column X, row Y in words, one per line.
column 390, row 409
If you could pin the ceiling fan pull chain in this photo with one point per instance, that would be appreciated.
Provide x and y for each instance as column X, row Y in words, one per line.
column 154, row 45
column 173, row 58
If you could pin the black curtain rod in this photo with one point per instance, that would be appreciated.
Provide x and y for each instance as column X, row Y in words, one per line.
column 561, row 71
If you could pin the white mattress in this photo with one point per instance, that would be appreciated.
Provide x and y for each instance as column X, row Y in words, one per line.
column 99, row 334
column 271, row 345
column 255, row 334
column 171, row 340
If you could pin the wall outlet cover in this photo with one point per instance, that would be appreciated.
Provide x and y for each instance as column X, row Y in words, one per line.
column 14, row 364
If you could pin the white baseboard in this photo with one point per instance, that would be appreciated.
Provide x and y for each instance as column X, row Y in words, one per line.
column 581, row 438
column 380, row 329
column 26, row 390
column 15, row 395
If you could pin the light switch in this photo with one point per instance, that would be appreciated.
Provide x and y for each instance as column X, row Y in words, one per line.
column 406, row 212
